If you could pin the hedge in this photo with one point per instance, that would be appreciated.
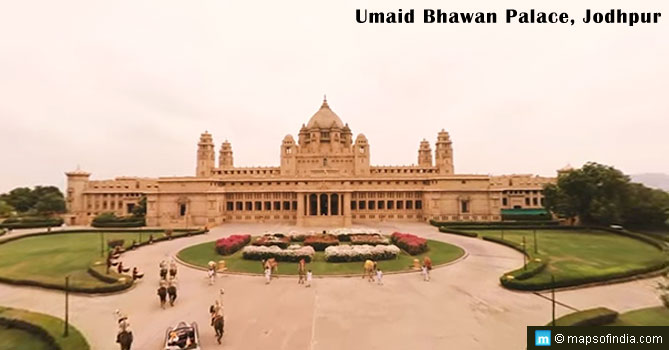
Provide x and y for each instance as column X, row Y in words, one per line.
column 31, row 222
column 531, row 269
column 527, row 217
column 600, row 316
column 321, row 241
column 495, row 223
column 45, row 327
column 457, row 232
column 111, row 220
column 231, row 244
column 410, row 243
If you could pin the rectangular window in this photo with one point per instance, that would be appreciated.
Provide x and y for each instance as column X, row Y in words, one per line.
column 391, row 205
column 400, row 204
column 361, row 205
column 268, row 206
column 354, row 205
column 419, row 204
column 464, row 206
column 239, row 206
column 409, row 204
column 527, row 201
column 258, row 205
column 286, row 205
column 229, row 206
column 535, row 201
column 381, row 205
column 505, row 202
column 182, row 209
column 371, row 205
column 277, row 205
column 249, row 206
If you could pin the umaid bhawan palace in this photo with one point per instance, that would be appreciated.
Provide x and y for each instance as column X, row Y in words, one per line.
column 324, row 179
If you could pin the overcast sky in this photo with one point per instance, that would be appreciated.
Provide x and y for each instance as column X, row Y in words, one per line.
column 126, row 87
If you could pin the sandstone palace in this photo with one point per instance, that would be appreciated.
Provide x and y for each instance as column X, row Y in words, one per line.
column 325, row 179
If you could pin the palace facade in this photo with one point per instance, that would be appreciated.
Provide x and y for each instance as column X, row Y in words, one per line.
column 324, row 179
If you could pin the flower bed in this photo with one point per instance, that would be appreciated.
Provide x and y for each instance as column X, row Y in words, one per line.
column 412, row 244
column 229, row 245
column 347, row 253
column 344, row 234
column 292, row 255
column 371, row 239
column 272, row 240
column 320, row 242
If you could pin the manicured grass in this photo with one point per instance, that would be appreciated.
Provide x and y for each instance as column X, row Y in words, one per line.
column 654, row 316
column 54, row 326
column 11, row 338
column 201, row 254
column 580, row 256
column 49, row 258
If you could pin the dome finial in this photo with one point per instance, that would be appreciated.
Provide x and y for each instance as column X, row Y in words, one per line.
column 325, row 102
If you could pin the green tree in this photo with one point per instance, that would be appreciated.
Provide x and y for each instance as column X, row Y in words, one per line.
column 139, row 210
column 600, row 194
column 5, row 209
column 41, row 200
column 21, row 198
column 50, row 203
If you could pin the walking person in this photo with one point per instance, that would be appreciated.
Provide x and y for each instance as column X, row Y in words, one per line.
column 379, row 277
column 163, row 269
column 425, row 273
column 427, row 263
column 162, row 293
column 268, row 274
column 211, row 272
column 309, row 277
column 301, row 269
column 172, row 290
column 173, row 269
column 124, row 336
column 217, row 320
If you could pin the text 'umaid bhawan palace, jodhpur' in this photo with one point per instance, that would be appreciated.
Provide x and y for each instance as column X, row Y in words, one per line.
column 324, row 179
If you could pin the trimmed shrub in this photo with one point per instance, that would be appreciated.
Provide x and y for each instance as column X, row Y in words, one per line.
column 230, row 245
column 47, row 328
column 111, row 220
column 321, row 241
column 495, row 223
column 412, row 244
column 369, row 239
column 290, row 255
column 20, row 222
column 272, row 240
column 457, row 232
column 600, row 316
column 347, row 253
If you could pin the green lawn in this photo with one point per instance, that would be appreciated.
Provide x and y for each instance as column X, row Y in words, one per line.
column 54, row 326
column 583, row 255
column 201, row 254
column 49, row 258
column 17, row 339
column 654, row 316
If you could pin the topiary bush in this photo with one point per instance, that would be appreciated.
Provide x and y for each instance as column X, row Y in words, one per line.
column 19, row 222
column 111, row 220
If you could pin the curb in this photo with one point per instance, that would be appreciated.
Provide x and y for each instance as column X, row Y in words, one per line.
column 233, row 273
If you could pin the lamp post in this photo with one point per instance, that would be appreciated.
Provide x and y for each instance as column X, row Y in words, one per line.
column 524, row 254
column 553, row 297
column 67, row 306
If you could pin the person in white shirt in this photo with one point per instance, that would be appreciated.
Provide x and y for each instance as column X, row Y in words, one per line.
column 309, row 277
column 379, row 276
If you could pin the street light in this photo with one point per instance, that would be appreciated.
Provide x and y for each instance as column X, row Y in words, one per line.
column 67, row 306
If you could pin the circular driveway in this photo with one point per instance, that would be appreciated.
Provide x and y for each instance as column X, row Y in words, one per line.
column 463, row 307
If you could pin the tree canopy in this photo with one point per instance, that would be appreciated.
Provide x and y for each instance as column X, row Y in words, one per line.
column 40, row 200
column 601, row 194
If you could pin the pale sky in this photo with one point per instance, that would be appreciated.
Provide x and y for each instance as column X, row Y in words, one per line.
column 124, row 88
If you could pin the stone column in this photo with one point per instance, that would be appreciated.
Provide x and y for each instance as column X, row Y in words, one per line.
column 330, row 204
column 347, row 209
column 318, row 204
column 300, row 209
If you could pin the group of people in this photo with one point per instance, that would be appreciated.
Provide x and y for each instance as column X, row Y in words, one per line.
column 167, row 286
column 372, row 270
column 270, row 266
column 113, row 257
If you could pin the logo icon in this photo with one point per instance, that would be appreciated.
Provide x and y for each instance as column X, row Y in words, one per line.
column 542, row 338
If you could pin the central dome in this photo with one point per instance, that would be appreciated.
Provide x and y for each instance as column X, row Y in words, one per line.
column 325, row 118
